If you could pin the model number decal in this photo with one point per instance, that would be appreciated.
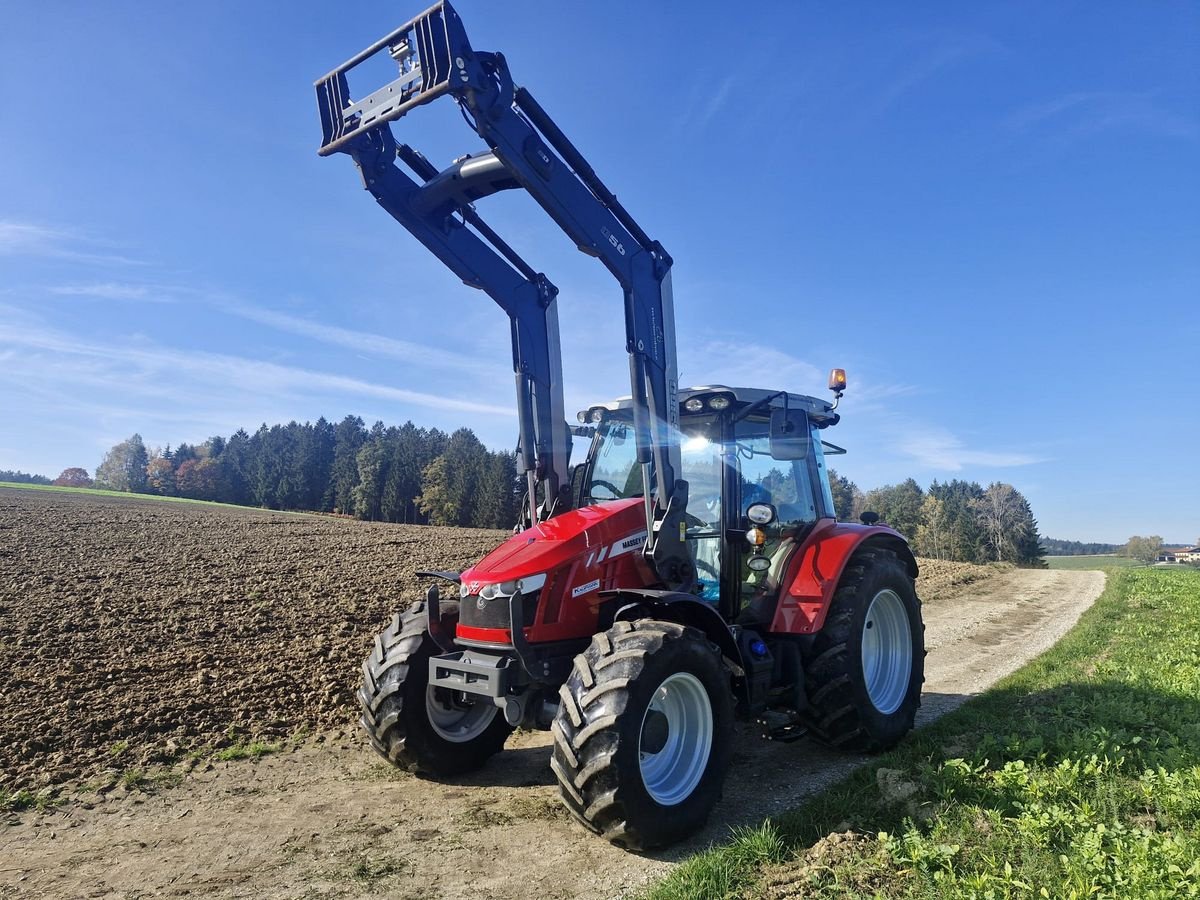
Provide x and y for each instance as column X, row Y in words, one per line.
column 585, row 588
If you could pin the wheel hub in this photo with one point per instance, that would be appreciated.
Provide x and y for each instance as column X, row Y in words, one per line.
column 655, row 732
column 887, row 651
column 676, row 739
column 456, row 717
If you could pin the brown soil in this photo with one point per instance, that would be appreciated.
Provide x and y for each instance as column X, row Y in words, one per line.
column 164, row 624
column 171, row 626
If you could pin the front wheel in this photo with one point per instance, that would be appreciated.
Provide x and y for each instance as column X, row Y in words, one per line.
column 417, row 727
column 643, row 734
column 866, row 666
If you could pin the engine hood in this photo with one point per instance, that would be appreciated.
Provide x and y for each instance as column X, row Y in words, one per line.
column 556, row 542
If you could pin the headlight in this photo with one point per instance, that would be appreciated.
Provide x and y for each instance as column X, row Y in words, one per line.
column 526, row 585
column 761, row 513
column 695, row 404
column 718, row 402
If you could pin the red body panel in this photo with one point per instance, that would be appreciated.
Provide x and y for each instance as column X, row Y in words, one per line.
column 598, row 548
column 813, row 573
column 581, row 552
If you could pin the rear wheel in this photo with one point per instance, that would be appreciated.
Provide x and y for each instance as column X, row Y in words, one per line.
column 413, row 725
column 643, row 734
column 866, row 667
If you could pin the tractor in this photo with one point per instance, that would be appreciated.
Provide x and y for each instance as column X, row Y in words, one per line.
column 688, row 572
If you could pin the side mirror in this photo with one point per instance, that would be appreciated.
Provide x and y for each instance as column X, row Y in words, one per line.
column 790, row 437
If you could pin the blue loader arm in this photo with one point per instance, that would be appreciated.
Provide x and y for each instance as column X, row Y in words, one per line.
column 525, row 150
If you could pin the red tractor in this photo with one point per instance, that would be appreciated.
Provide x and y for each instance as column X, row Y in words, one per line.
column 688, row 571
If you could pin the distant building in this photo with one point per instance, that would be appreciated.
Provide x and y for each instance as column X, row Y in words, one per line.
column 1180, row 555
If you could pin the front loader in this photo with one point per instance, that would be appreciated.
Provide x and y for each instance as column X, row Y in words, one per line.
column 687, row 572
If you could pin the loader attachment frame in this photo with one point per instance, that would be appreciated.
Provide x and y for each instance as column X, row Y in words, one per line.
column 526, row 150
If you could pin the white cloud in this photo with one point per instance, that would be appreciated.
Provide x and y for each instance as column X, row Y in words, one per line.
column 1085, row 113
column 144, row 367
column 940, row 450
column 362, row 341
column 740, row 364
column 110, row 290
column 29, row 239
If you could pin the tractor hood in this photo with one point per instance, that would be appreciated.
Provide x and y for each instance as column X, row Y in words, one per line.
column 618, row 525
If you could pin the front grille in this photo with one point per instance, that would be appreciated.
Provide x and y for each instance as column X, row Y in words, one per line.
column 479, row 613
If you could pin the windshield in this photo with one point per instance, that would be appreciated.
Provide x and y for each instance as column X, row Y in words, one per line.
column 785, row 484
column 615, row 472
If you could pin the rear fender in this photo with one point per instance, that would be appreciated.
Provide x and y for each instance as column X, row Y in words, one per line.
column 814, row 572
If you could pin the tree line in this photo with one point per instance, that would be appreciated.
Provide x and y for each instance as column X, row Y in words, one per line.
column 1055, row 547
column 954, row 520
column 13, row 477
column 415, row 475
column 381, row 474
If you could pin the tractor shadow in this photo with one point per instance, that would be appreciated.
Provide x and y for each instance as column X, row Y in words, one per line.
column 514, row 767
column 772, row 781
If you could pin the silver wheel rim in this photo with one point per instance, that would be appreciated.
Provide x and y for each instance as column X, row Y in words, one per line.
column 671, row 771
column 455, row 719
column 887, row 651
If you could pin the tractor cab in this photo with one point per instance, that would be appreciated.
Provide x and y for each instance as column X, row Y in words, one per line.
column 757, row 484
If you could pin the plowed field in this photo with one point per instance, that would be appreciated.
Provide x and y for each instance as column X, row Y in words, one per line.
column 134, row 630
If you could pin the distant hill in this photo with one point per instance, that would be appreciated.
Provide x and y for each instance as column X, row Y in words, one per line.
column 1055, row 547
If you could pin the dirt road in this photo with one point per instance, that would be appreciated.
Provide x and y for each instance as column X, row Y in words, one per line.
column 328, row 820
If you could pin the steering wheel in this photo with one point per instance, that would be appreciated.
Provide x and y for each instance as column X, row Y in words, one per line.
column 703, row 504
column 607, row 485
column 704, row 567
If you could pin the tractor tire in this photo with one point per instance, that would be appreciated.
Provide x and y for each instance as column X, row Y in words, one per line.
column 644, row 733
column 864, row 671
column 415, row 727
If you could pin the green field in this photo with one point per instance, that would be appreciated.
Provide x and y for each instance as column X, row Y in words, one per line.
column 125, row 495
column 1099, row 561
column 1077, row 776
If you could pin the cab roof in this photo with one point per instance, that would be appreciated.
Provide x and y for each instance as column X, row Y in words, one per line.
column 820, row 411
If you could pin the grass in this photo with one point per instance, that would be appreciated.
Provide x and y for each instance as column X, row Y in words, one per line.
column 1077, row 776
column 17, row 801
column 370, row 868
column 125, row 495
column 247, row 750
column 1097, row 561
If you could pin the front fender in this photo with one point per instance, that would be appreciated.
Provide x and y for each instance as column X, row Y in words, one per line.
column 641, row 603
column 813, row 574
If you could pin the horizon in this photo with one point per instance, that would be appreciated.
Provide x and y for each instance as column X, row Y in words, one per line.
column 990, row 214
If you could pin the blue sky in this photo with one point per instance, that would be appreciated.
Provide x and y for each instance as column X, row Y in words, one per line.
column 989, row 214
